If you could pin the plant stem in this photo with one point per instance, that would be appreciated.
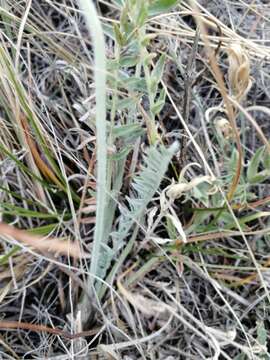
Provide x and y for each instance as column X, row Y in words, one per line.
column 98, row 40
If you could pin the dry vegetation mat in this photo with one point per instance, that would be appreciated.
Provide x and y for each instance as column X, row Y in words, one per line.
column 134, row 179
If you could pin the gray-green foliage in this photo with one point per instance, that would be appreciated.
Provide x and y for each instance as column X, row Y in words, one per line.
column 256, row 172
column 260, row 158
column 145, row 185
column 131, row 43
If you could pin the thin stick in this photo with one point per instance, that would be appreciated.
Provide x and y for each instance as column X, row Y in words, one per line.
column 8, row 325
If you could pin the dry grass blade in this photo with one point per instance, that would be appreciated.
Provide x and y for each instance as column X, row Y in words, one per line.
column 54, row 245
column 42, row 166
column 239, row 71
column 227, row 102
column 146, row 306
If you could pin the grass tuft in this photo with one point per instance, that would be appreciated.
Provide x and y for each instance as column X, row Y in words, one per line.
column 134, row 179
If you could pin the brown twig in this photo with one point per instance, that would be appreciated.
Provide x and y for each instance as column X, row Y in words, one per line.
column 246, row 206
column 9, row 325
column 218, row 235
